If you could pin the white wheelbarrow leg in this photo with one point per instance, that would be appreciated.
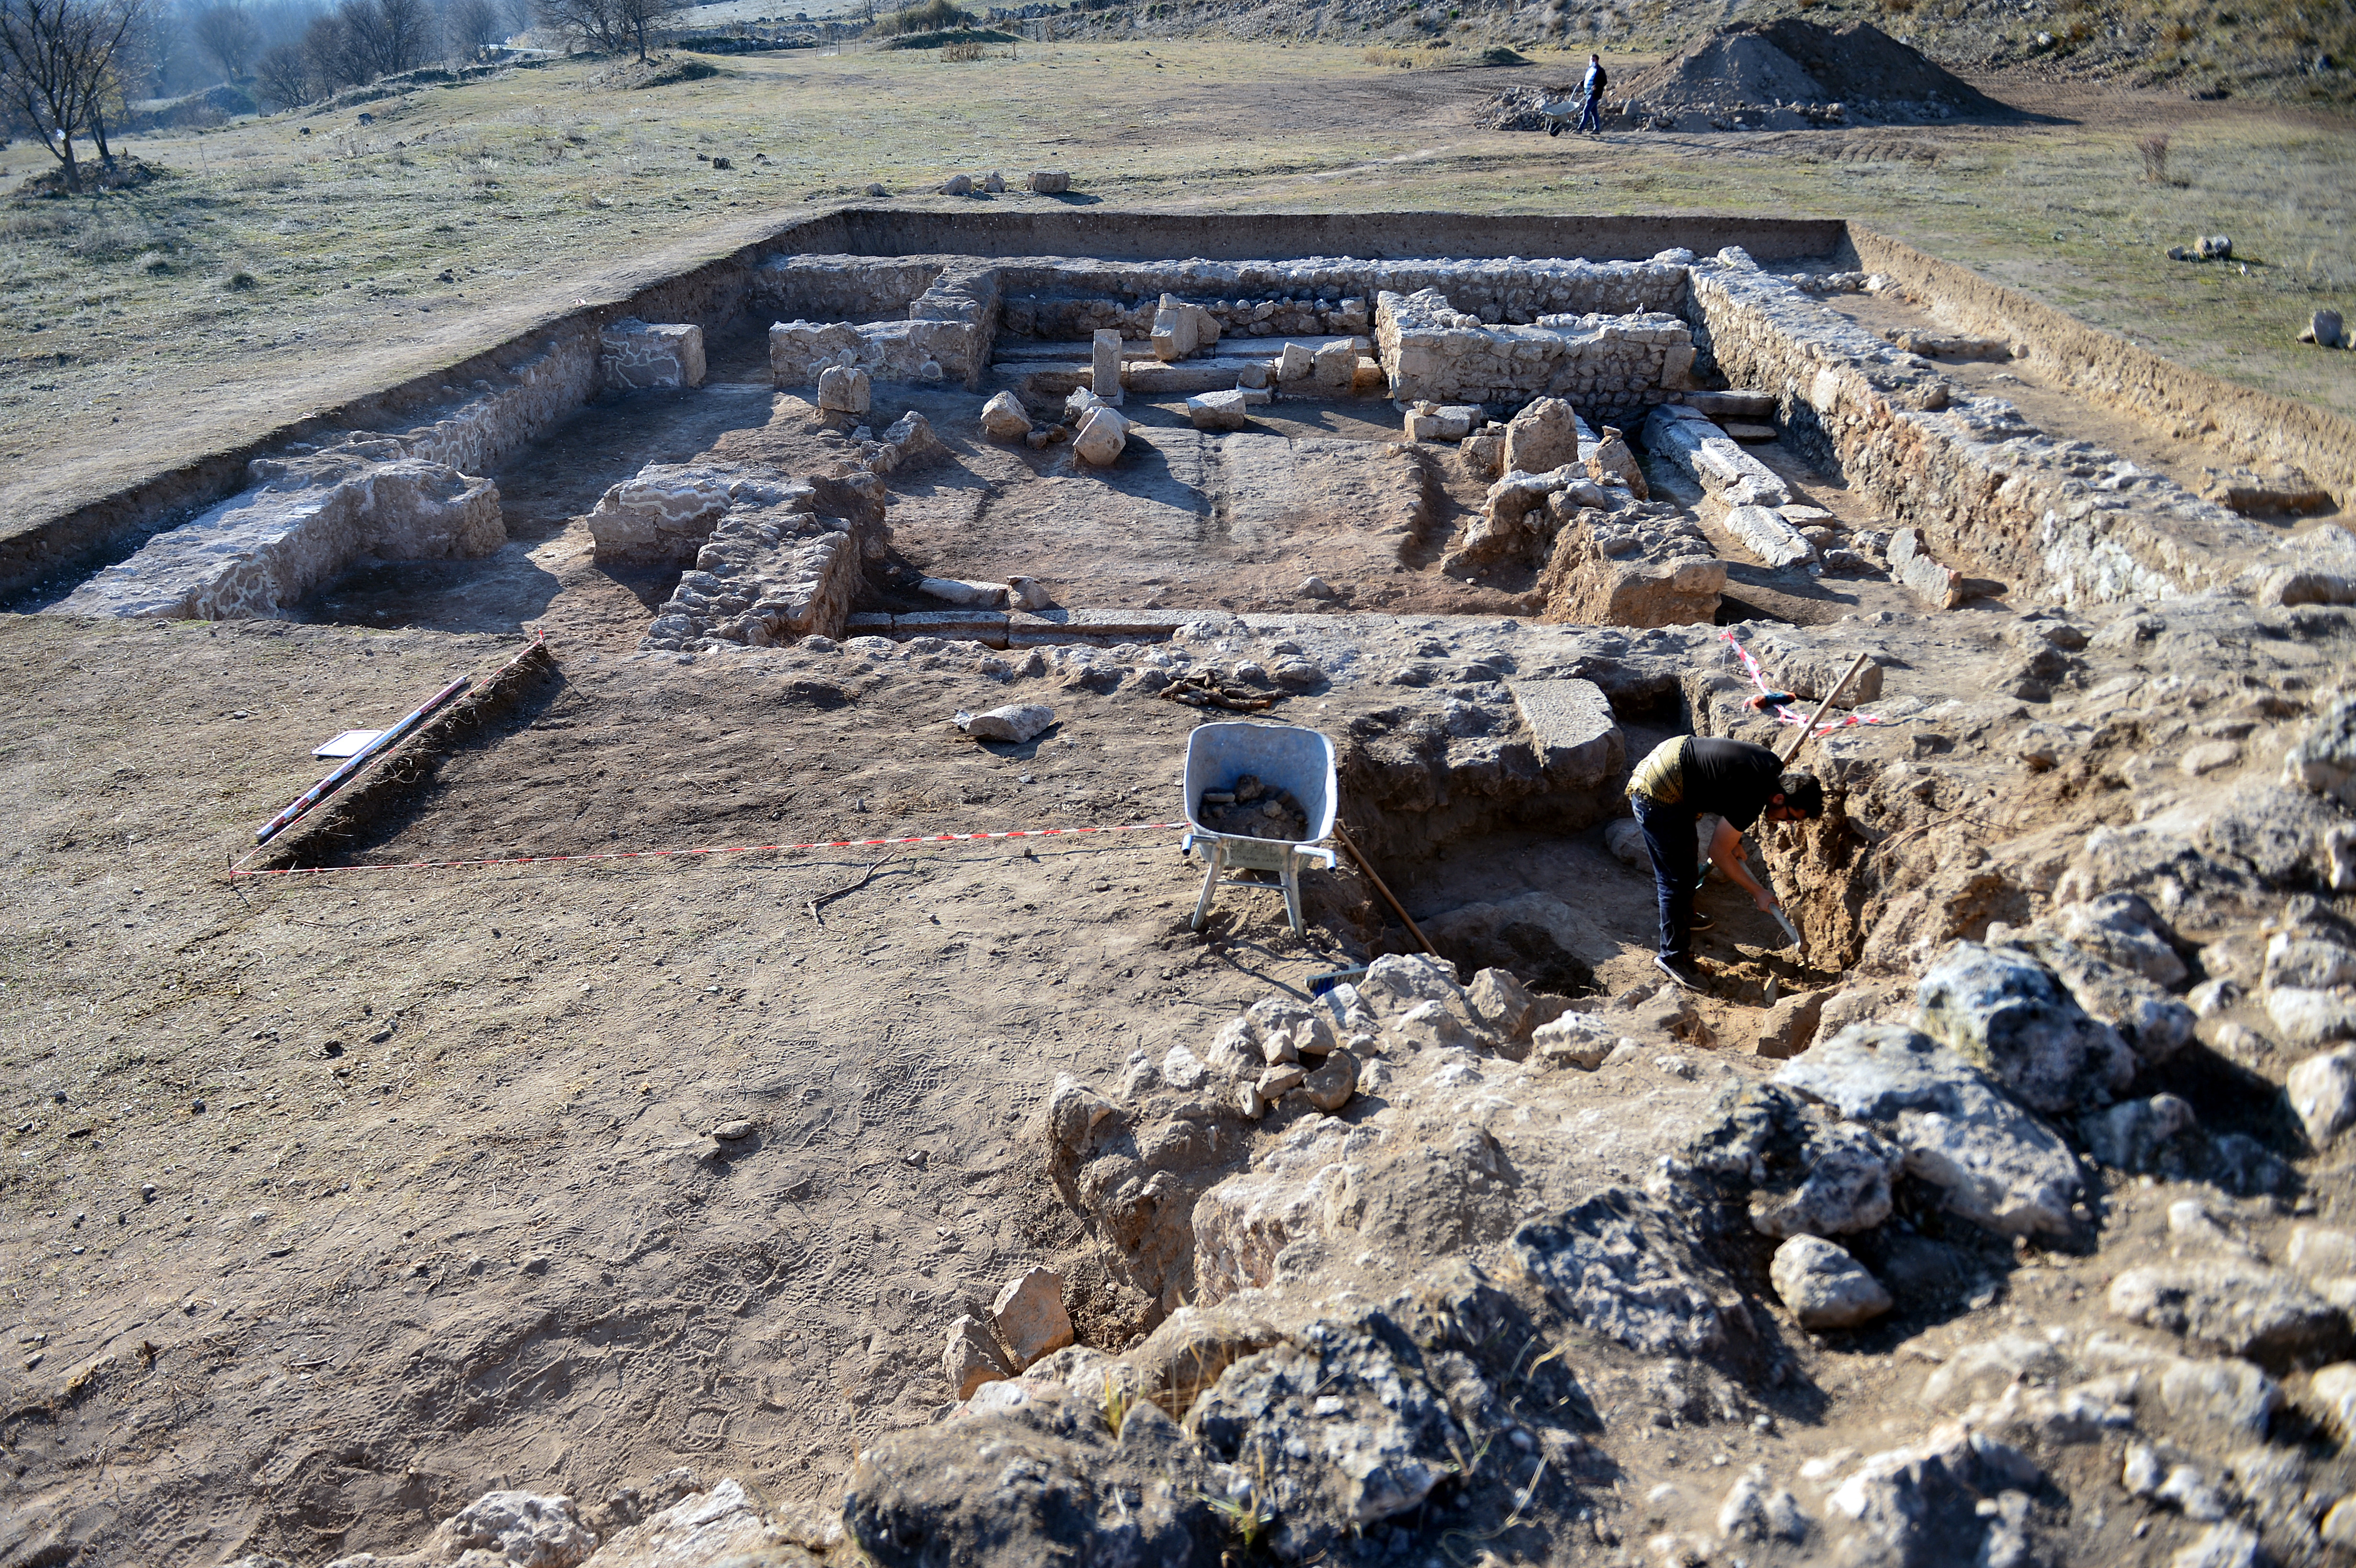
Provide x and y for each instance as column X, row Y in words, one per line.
column 1218, row 859
column 1292, row 892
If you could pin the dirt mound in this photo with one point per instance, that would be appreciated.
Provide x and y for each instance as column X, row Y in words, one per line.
column 1795, row 71
column 124, row 173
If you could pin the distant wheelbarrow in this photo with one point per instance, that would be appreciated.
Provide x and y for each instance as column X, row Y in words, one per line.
column 1283, row 756
column 1560, row 114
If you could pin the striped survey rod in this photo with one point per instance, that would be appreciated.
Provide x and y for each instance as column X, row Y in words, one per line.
column 361, row 759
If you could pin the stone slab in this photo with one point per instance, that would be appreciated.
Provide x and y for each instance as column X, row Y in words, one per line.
column 1765, row 534
column 1732, row 405
column 1570, row 724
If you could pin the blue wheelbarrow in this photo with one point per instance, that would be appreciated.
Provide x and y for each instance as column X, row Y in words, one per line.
column 1283, row 756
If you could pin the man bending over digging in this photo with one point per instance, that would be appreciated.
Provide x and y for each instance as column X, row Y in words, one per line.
column 1734, row 780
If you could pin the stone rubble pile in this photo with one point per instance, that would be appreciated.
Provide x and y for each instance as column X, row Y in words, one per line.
column 781, row 561
column 1250, row 810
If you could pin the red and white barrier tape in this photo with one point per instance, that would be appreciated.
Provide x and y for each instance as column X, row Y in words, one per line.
column 1782, row 714
column 729, row 849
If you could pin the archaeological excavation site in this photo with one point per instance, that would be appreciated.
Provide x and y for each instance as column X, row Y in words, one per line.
column 980, row 905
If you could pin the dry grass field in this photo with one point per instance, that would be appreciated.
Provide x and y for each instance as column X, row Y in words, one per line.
column 288, row 263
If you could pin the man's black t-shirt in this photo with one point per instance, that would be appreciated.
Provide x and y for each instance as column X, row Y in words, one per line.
column 1731, row 778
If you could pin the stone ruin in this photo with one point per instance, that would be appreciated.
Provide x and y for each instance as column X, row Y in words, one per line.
column 1403, row 1266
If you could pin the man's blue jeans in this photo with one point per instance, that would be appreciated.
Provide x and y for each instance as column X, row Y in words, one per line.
column 1588, row 119
column 1676, row 866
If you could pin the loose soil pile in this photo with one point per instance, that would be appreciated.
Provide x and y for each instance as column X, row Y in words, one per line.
column 1794, row 70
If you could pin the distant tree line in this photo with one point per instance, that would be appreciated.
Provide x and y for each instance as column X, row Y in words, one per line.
column 76, row 70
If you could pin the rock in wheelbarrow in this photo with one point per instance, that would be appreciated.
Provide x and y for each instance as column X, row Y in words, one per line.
column 1016, row 722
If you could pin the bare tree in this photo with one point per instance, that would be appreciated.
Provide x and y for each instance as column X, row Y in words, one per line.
column 611, row 26
column 473, row 26
column 58, row 62
column 327, row 54
column 284, row 75
column 227, row 32
column 383, row 36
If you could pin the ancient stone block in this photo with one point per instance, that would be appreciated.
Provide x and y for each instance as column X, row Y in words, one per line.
column 1101, row 437
column 632, row 356
column 1104, row 365
column 1002, row 417
column 1572, row 727
column 1217, row 410
column 1543, row 436
column 1050, row 182
column 1766, row 535
column 842, row 391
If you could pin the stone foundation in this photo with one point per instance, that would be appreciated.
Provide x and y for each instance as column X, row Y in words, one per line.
column 2063, row 519
column 782, row 561
column 306, row 521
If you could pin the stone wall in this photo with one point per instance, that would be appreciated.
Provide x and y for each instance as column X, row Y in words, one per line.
column 305, row 521
column 1610, row 368
column 783, row 561
column 2255, row 427
column 887, row 350
column 841, row 288
column 1990, row 494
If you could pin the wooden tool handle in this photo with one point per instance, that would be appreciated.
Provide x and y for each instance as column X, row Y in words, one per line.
column 1823, row 708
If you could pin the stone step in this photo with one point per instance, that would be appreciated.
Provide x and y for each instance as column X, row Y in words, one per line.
column 1736, row 405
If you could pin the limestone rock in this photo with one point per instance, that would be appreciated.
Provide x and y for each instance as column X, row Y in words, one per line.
column 2324, row 760
column 721, row 1528
column 1039, row 1477
column 1002, row 417
column 1016, row 722
column 1614, row 462
column 843, row 389
column 1345, row 1430
column 1542, row 437
column 1329, row 1088
column 1296, row 362
column 1217, row 410
column 1050, row 182
column 1807, row 1176
column 2309, row 1018
column 2233, row 1307
column 2331, row 1390
column 2154, row 1025
column 956, row 185
column 1921, row 1504
column 2322, row 1093
column 1751, row 1511
column 2128, row 1135
column 1622, row 1265
column 2125, row 930
column 994, row 183
column 1574, row 1040
column 1334, row 366
column 1101, row 437
column 1999, row 1005
column 1935, row 586
column 1501, row 1002
column 1997, row 1165
column 973, row 1357
column 1028, row 593
column 523, row 1528
column 1824, row 1287
column 1030, row 1317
